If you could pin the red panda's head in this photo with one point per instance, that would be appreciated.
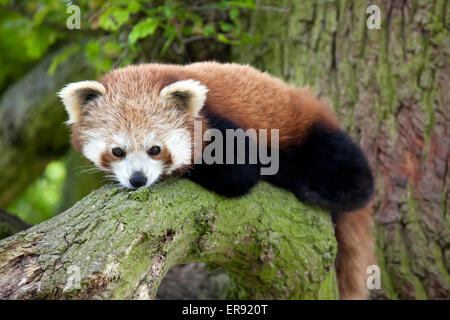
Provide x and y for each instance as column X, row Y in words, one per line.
column 138, row 129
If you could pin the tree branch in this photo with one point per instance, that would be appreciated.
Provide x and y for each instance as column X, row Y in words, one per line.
column 119, row 244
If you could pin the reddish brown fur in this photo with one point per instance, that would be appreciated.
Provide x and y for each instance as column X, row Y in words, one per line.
column 244, row 95
column 250, row 99
column 75, row 137
column 164, row 156
column 106, row 158
column 355, row 252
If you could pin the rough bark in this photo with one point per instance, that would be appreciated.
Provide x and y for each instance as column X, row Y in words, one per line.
column 389, row 88
column 118, row 244
column 32, row 132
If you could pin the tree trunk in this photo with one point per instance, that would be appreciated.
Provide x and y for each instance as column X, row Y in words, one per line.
column 389, row 87
column 32, row 132
column 120, row 244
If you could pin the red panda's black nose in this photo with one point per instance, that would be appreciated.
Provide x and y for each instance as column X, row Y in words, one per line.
column 138, row 180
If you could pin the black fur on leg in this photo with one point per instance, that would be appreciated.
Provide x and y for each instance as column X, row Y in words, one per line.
column 230, row 180
column 328, row 169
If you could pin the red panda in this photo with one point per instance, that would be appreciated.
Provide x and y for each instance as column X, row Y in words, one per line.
column 137, row 123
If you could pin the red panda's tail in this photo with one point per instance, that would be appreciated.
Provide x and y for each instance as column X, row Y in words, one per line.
column 355, row 252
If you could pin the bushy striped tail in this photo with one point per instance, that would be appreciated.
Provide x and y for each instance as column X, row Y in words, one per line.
column 355, row 252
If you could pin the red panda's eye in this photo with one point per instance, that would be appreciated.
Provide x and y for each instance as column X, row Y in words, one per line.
column 153, row 151
column 118, row 152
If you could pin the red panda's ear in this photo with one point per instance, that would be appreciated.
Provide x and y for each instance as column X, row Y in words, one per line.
column 77, row 94
column 190, row 93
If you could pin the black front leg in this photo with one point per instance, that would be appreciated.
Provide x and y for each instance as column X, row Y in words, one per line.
column 230, row 180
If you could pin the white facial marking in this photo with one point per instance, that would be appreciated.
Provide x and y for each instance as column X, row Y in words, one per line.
column 179, row 144
column 121, row 141
column 137, row 161
column 93, row 150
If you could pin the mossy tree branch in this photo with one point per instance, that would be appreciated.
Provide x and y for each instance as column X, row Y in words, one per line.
column 120, row 244
column 389, row 87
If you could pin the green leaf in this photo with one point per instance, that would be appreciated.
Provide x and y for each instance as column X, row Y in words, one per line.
column 226, row 26
column 241, row 4
column 143, row 29
column 209, row 30
column 234, row 13
column 168, row 12
column 222, row 38
column 113, row 18
column 133, row 7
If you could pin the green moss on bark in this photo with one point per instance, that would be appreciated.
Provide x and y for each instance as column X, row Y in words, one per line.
column 389, row 88
column 122, row 243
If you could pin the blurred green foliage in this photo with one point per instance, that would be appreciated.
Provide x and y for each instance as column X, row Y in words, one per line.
column 41, row 200
column 112, row 34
